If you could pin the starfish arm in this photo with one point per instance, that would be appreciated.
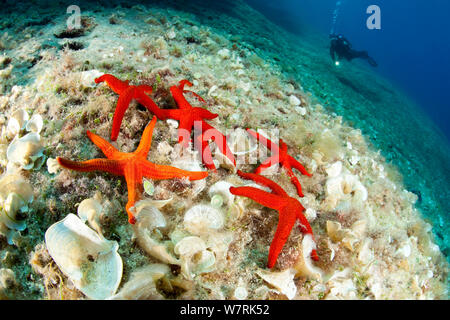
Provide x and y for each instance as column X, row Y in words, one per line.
column 199, row 98
column 202, row 147
column 107, row 165
column 184, row 130
column 145, row 88
column 264, row 198
column 297, row 165
column 294, row 179
column 159, row 172
column 286, row 221
column 118, row 86
column 122, row 105
column 266, row 142
column 209, row 132
column 267, row 163
column 205, row 114
column 264, row 181
column 174, row 114
column 182, row 83
column 145, row 100
column 179, row 98
column 107, row 148
column 134, row 186
column 146, row 139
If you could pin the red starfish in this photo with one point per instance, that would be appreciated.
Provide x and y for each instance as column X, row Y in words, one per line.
column 289, row 210
column 189, row 116
column 126, row 94
column 280, row 156
column 133, row 166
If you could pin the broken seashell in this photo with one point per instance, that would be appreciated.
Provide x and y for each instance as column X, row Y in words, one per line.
column 15, row 196
column 52, row 166
column 142, row 283
column 90, row 261
column 88, row 77
column 26, row 152
column 35, row 124
column 194, row 256
column 89, row 210
column 17, row 122
column 342, row 186
column 304, row 266
column 203, row 218
column 283, row 281
column 347, row 236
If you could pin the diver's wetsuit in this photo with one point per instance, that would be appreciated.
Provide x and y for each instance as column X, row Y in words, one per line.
column 341, row 48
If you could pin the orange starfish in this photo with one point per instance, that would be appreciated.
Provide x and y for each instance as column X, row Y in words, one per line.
column 126, row 94
column 289, row 210
column 189, row 117
column 134, row 166
column 281, row 156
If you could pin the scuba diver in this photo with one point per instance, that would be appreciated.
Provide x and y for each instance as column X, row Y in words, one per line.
column 340, row 48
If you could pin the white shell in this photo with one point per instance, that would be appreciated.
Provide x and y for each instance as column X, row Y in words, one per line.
column 222, row 188
column 90, row 261
column 294, row 101
column 25, row 151
column 194, row 256
column 347, row 236
column 88, row 77
column 142, row 283
column 203, row 218
column 35, row 124
column 90, row 210
column 15, row 195
column 53, row 165
column 224, row 53
column 148, row 216
column 304, row 265
column 283, row 281
column 17, row 122
column 343, row 186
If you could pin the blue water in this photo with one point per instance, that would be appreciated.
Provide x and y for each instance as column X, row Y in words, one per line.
column 412, row 47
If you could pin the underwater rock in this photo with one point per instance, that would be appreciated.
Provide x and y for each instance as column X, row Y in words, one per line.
column 90, row 261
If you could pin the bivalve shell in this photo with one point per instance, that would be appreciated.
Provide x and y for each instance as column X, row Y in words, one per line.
column 89, row 260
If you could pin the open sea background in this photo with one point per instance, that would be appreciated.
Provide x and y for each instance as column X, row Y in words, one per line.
column 402, row 106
